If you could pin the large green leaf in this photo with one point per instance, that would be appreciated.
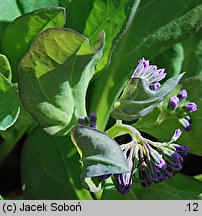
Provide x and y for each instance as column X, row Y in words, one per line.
column 54, row 76
column 8, row 12
column 50, row 168
column 180, row 187
column 21, row 32
column 138, row 99
column 5, row 67
column 148, row 36
column 171, row 60
column 193, row 55
column 112, row 16
column 100, row 155
column 165, row 130
column 9, row 103
column 27, row 6
column 77, row 21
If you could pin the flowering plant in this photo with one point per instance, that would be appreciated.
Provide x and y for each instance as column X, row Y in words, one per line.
column 85, row 104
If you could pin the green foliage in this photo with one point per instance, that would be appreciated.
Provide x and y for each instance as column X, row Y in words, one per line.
column 112, row 16
column 67, row 73
column 58, row 80
column 100, row 155
column 173, row 189
column 9, row 103
column 20, row 34
column 8, row 12
column 193, row 55
column 165, row 130
column 148, row 36
column 5, row 67
column 27, row 6
column 138, row 99
column 50, row 168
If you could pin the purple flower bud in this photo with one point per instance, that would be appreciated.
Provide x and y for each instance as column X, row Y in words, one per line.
column 155, row 86
column 182, row 95
column 188, row 118
column 174, row 102
column 175, row 167
column 92, row 117
column 183, row 150
column 149, row 73
column 185, row 124
column 176, row 136
column 191, row 107
column 161, row 165
column 123, row 182
column 167, row 174
column 146, row 183
column 82, row 121
column 93, row 125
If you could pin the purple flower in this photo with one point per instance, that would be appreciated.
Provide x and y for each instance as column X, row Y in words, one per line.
column 185, row 123
column 155, row 86
column 89, row 121
column 182, row 95
column 92, row 117
column 150, row 73
column 182, row 150
column 123, row 182
column 191, row 107
column 161, row 161
column 176, row 136
column 174, row 102
column 83, row 121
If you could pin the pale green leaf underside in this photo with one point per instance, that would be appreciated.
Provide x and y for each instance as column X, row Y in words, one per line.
column 100, row 155
column 9, row 103
column 138, row 100
column 5, row 68
column 54, row 77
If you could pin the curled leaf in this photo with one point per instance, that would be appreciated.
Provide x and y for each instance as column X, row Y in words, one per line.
column 138, row 99
column 100, row 155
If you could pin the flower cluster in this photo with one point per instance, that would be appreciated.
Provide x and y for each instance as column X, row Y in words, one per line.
column 150, row 73
column 157, row 161
column 176, row 102
column 151, row 162
column 89, row 121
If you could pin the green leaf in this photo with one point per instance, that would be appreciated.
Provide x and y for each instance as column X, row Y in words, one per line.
column 54, row 76
column 198, row 177
column 77, row 21
column 138, row 100
column 5, row 67
column 9, row 103
column 171, row 60
column 165, row 130
column 112, row 16
column 50, row 168
column 100, row 155
column 21, row 32
column 193, row 55
column 31, row 5
column 148, row 36
column 173, row 189
column 13, row 134
column 8, row 12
